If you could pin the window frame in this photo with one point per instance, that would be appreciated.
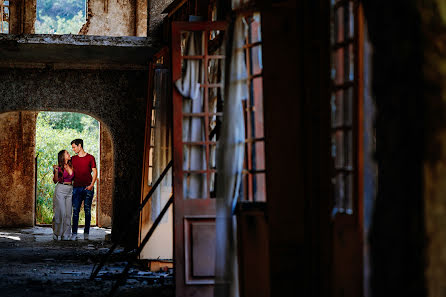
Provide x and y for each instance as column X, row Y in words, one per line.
column 355, row 86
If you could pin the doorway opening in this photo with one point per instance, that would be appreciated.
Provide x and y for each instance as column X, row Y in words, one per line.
column 54, row 132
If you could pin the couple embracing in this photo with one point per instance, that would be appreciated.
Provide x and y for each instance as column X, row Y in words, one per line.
column 74, row 185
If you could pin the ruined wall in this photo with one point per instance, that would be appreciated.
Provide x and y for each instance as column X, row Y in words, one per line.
column 116, row 98
column 105, row 203
column 17, row 169
column 141, row 18
column 433, row 14
column 286, row 204
column 156, row 17
column 22, row 16
column 116, row 18
column 397, row 235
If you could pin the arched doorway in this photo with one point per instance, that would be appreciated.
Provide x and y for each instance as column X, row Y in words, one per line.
column 54, row 132
column 18, row 167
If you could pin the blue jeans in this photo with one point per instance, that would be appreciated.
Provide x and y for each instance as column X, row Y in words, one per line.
column 81, row 194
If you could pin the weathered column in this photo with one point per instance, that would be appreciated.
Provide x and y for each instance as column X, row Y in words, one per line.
column 17, row 168
column 105, row 194
column 22, row 16
column 397, row 235
column 433, row 20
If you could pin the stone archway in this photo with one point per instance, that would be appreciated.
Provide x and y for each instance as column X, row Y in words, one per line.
column 115, row 97
column 17, row 147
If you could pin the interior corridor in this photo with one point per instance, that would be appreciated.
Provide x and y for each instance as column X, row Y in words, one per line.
column 33, row 264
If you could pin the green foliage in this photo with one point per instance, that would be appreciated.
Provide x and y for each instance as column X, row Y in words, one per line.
column 54, row 133
column 70, row 120
column 60, row 16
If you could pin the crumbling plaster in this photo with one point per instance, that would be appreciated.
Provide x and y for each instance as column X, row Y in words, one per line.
column 105, row 201
column 116, row 98
column 433, row 18
column 17, row 169
column 116, row 18
column 22, row 16
column 156, row 17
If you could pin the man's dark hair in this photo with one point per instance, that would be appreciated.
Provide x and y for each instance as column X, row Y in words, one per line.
column 78, row 141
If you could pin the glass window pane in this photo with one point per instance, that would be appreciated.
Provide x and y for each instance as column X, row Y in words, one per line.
column 194, row 157
column 339, row 158
column 259, row 157
column 339, row 21
column 191, row 43
column 215, row 70
column 215, row 123
column 151, row 156
column 349, row 63
column 194, row 105
column 193, row 129
column 256, row 60
column 257, row 102
column 337, row 108
column 349, row 149
column 213, row 166
column 348, row 106
column 338, row 62
column 260, row 187
column 215, row 42
column 194, row 186
column 215, row 100
column 150, row 176
column 351, row 20
column 255, row 32
column 348, row 201
column 339, row 192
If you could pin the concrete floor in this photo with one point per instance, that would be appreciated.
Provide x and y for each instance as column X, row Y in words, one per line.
column 33, row 264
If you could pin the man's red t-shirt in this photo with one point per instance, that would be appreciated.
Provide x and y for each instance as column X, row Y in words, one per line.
column 83, row 167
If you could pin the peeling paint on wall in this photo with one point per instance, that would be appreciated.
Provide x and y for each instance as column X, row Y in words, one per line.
column 156, row 17
column 17, row 170
column 434, row 25
column 116, row 18
column 105, row 203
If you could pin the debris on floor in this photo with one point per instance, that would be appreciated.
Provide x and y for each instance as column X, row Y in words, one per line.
column 33, row 264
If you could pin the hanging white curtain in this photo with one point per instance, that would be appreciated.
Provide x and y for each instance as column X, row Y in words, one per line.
column 230, row 166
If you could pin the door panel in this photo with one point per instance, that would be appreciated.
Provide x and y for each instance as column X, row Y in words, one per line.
column 199, row 250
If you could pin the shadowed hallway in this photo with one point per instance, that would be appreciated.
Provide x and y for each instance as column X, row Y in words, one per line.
column 33, row 264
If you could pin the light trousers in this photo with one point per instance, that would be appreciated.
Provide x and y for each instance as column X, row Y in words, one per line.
column 62, row 210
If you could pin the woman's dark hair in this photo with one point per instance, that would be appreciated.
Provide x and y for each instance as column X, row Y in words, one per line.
column 61, row 161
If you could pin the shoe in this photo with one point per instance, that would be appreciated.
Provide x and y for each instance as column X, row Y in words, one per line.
column 55, row 237
column 73, row 237
column 65, row 237
column 86, row 236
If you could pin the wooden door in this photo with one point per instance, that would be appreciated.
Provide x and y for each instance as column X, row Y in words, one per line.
column 196, row 51
column 346, row 124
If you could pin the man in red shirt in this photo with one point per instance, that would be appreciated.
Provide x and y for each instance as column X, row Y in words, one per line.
column 83, row 189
